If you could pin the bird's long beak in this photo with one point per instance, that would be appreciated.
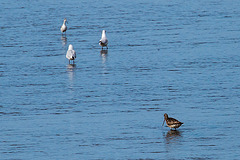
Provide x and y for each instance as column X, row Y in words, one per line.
column 163, row 122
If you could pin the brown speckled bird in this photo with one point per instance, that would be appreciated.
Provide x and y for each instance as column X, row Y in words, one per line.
column 171, row 122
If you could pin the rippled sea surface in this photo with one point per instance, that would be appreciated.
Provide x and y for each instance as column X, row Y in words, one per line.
column 176, row 57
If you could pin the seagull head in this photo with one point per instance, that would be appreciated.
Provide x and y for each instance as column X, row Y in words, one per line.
column 65, row 20
column 70, row 47
column 103, row 33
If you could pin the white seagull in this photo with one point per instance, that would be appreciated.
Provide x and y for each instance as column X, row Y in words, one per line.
column 103, row 41
column 64, row 27
column 71, row 54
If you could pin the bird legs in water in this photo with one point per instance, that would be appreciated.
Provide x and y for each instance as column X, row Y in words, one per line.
column 106, row 46
column 70, row 61
column 65, row 33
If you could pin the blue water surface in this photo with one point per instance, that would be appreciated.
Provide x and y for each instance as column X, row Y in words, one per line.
column 176, row 57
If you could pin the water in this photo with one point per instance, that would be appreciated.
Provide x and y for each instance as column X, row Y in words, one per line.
column 175, row 57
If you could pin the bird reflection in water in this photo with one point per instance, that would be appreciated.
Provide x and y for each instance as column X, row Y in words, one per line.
column 172, row 142
column 70, row 70
column 104, row 54
column 64, row 40
column 71, row 67
column 173, row 136
column 173, row 133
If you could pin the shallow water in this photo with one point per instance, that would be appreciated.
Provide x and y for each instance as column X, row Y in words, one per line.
column 175, row 57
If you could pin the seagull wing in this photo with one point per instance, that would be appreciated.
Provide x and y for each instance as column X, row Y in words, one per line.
column 63, row 28
column 104, row 40
column 74, row 54
column 70, row 54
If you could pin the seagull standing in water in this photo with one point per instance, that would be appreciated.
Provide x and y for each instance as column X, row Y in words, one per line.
column 103, row 41
column 64, row 27
column 71, row 54
column 171, row 122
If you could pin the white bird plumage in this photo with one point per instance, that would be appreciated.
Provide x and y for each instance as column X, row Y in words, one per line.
column 71, row 54
column 103, row 41
column 64, row 26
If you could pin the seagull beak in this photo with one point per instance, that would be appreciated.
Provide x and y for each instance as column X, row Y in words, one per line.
column 163, row 122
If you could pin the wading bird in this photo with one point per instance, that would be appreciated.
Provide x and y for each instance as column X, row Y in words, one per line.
column 103, row 41
column 71, row 54
column 64, row 26
column 171, row 122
